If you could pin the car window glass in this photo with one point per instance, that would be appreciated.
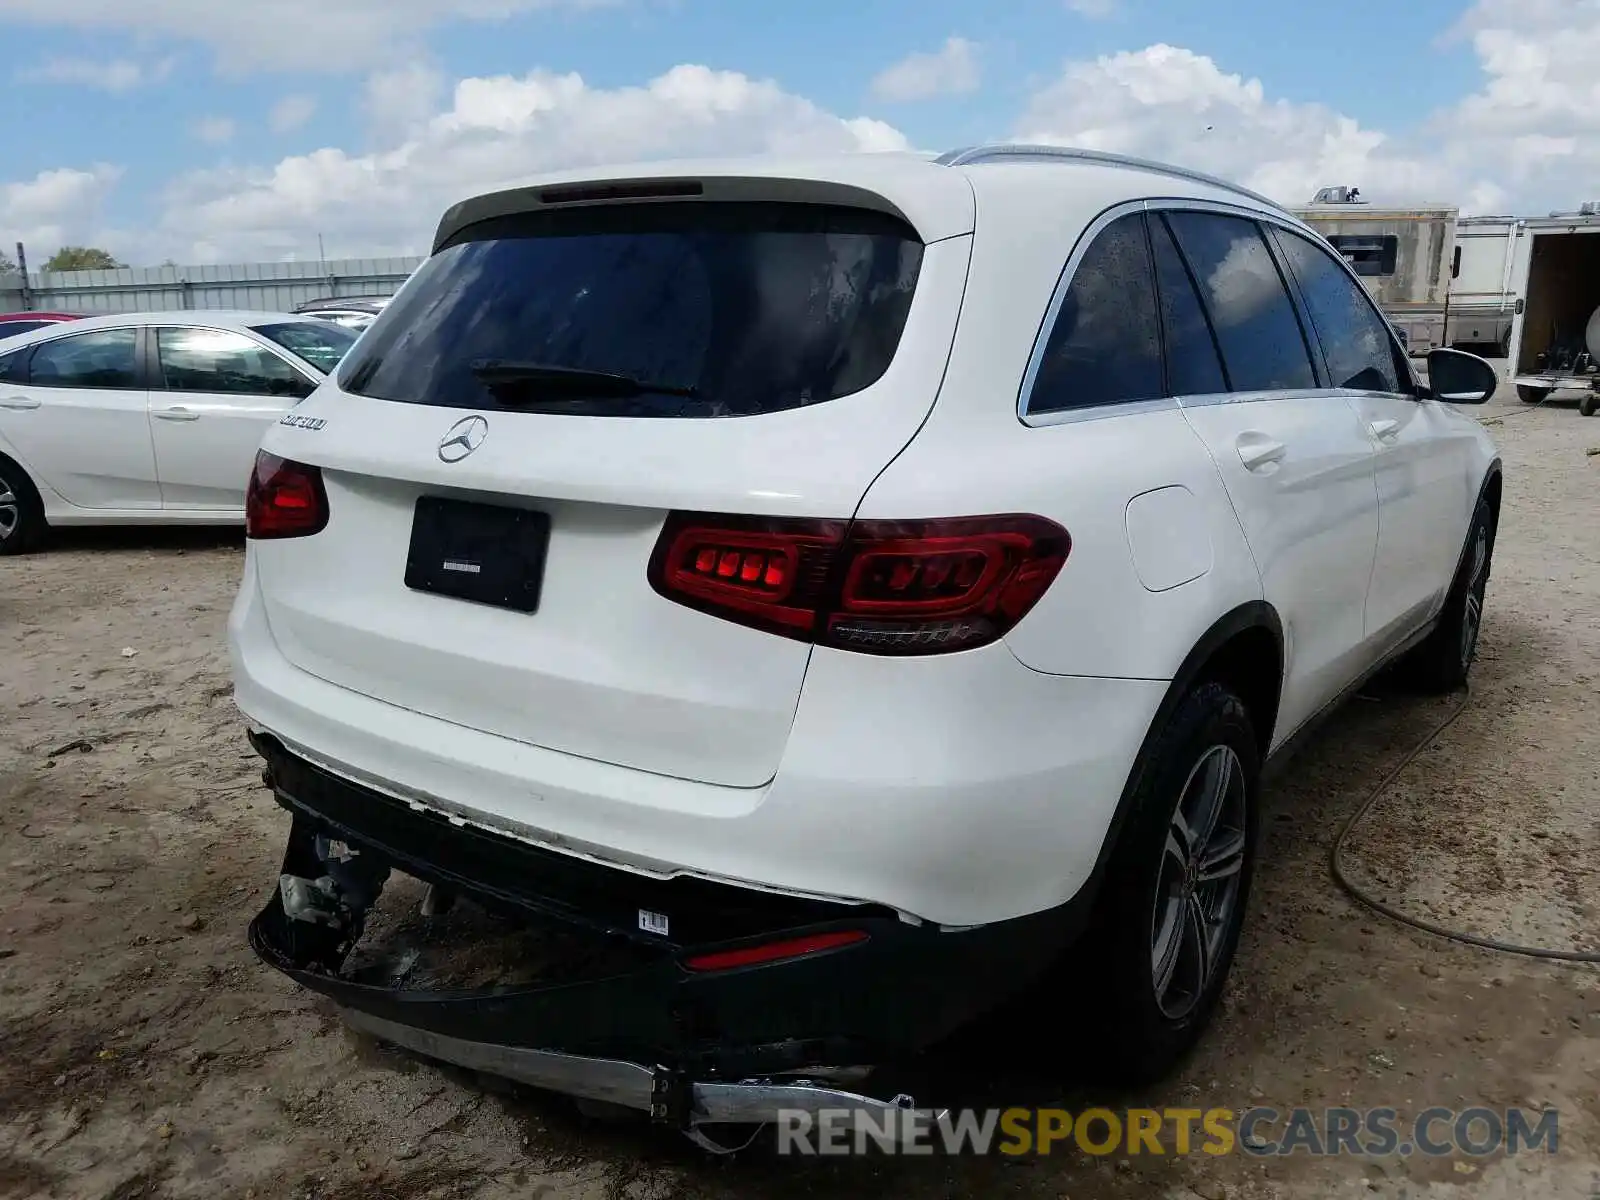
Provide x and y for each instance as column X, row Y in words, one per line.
column 1250, row 309
column 105, row 358
column 719, row 310
column 11, row 329
column 1105, row 345
column 1193, row 365
column 219, row 360
column 1355, row 340
column 323, row 344
column 14, row 367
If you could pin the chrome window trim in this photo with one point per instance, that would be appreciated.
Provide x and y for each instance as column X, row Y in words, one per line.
column 1157, row 204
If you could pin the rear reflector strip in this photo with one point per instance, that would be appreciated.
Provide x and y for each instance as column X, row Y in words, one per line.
column 771, row 952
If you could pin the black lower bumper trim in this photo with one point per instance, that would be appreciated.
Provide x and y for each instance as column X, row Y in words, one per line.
column 873, row 1002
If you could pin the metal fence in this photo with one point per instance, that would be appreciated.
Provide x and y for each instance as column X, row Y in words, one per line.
column 263, row 287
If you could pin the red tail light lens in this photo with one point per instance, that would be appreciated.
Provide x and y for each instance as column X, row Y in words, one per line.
column 880, row 587
column 285, row 499
column 771, row 952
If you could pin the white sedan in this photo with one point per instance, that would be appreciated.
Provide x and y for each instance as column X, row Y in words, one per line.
column 147, row 418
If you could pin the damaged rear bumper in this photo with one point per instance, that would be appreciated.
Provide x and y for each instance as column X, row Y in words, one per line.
column 697, row 1002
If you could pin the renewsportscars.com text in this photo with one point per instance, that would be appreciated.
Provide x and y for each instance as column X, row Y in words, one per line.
column 1372, row 1133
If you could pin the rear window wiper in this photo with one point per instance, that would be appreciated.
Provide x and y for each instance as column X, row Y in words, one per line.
column 509, row 377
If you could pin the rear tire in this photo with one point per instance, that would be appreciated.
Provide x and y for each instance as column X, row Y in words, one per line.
column 1168, row 920
column 1590, row 402
column 22, row 523
column 1443, row 661
column 1531, row 395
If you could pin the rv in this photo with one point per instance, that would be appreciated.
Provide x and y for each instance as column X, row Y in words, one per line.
column 1405, row 256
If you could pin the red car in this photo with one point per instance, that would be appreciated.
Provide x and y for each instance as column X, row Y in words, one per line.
column 14, row 323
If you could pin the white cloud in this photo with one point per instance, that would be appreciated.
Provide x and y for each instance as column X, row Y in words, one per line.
column 1173, row 105
column 291, row 112
column 1096, row 10
column 115, row 75
column 951, row 70
column 322, row 35
column 402, row 99
column 215, row 131
column 54, row 208
column 493, row 132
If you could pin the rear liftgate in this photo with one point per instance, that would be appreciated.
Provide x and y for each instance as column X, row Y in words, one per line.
column 622, row 1009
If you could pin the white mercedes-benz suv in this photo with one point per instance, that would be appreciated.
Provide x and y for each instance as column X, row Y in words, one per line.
column 835, row 588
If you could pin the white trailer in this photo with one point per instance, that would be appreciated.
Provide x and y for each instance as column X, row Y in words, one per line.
column 1483, row 302
column 1555, row 333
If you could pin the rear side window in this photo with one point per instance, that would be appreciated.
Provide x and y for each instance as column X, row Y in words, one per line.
column 712, row 309
column 1105, row 345
column 14, row 366
column 103, row 359
column 1194, row 367
column 1255, row 321
column 1355, row 340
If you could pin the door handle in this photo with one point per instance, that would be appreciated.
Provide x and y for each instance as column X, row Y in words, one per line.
column 176, row 414
column 1256, row 451
column 19, row 403
column 1383, row 430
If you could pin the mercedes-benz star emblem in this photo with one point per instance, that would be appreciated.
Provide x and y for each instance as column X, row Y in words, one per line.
column 462, row 438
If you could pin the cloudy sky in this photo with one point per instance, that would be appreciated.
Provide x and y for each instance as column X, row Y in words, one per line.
column 238, row 130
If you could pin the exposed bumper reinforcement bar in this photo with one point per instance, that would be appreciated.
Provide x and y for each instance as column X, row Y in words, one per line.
column 631, row 1085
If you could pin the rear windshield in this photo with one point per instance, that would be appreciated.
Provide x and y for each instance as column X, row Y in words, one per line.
column 323, row 344
column 735, row 309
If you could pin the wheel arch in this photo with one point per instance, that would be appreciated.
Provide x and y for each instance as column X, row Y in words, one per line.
column 1244, row 650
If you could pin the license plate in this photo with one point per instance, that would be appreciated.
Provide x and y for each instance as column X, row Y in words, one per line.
column 486, row 553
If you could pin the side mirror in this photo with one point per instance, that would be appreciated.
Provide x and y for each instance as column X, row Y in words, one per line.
column 1456, row 377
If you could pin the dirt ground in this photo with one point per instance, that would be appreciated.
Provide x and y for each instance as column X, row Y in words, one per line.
column 145, row 1052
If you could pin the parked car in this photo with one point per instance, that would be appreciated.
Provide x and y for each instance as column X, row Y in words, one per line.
column 147, row 418
column 354, row 312
column 15, row 324
column 833, row 590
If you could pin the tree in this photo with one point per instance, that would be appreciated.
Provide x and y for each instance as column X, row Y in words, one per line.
column 6, row 265
column 81, row 258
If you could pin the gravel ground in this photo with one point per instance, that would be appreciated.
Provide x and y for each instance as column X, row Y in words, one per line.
column 144, row 1052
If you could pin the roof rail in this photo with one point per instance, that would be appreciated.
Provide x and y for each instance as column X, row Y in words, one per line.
column 1027, row 152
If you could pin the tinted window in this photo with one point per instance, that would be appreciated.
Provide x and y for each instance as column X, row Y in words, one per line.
column 103, row 359
column 217, row 360
column 756, row 308
column 1355, row 340
column 1250, row 310
column 14, row 367
column 323, row 344
column 1368, row 254
column 10, row 329
column 1193, row 366
column 1105, row 346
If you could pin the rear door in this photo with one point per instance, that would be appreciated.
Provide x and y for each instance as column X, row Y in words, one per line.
column 1297, row 463
column 1423, row 450
column 216, row 393
column 782, row 353
column 74, row 409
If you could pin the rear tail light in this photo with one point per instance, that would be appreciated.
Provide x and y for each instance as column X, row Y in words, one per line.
column 879, row 587
column 771, row 952
column 285, row 499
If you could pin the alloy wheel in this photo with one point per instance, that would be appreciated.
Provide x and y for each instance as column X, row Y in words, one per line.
column 1198, row 885
column 1477, row 584
column 10, row 509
